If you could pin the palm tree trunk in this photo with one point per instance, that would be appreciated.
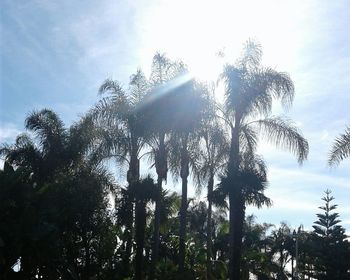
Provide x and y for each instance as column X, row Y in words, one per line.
column 235, row 198
column 183, row 211
column 236, row 233
column 183, row 221
column 133, row 175
column 140, row 222
column 86, row 272
column 128, row 247
column 209, row 225
column 155, row 247
column 239, row 232
column 161, row 169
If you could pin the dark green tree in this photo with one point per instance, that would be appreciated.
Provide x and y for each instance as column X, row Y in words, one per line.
column 281, row 240
column 331, row 247
column 16, row 193
column 61, row 204
column 256, row 254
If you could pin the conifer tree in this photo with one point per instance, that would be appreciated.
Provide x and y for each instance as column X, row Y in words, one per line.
column 331, row 249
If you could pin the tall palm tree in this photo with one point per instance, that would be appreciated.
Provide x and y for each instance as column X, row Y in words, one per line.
column 120, row 127
column 120, row 132
column 252, row 177
column 212, row 159
column 155, row 110
column 340, row 149
column 250, row 90
column 142, row 192
column 181, row 159
column 189, row 108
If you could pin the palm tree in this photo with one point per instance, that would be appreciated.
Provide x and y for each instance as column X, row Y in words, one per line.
column 212, row 159
column 182, row 146
column 54, row 157
column 142, row 192
column 120, row 134
column 340, row 149
column 250, row 89
column 49, row 130
column 256, row 258
column 281, row 240
column 189, row 108
column 252, row 178
column 155, row 110
column 53, row 147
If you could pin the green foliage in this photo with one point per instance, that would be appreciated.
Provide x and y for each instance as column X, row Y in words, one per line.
column 331, row 249
column 54, row 205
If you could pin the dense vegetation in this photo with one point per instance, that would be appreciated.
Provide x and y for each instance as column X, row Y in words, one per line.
column 64, row 216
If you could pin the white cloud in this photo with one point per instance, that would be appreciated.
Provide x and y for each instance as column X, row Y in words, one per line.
column 304, row 178
column 8, row 132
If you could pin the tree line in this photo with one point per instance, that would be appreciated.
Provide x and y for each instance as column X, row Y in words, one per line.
column 65, row 216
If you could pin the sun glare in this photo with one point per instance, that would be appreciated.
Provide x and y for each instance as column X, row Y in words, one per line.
column 196, row 31
column 207, row 70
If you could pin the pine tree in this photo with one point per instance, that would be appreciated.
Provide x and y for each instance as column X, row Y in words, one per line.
column 331, row 250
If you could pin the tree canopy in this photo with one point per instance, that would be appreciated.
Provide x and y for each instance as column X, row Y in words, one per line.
column 65, row 215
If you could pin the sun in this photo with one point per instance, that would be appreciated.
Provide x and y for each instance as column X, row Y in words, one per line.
column 196, row 30
column 206, row 70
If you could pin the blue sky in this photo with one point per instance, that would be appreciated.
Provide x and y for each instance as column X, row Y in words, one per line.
column 55, row 54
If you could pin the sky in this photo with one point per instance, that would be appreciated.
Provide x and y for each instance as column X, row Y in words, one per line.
column 55, row 54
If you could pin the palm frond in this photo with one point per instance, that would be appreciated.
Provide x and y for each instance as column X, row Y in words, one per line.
column 112, row 87
column 252, row 54
column 22, row 153
column 163, row 69
column 48, row 128
column 340, row 149
column 110, row 143
column 233, row 81
column 258, row 200
column 260, row 87
column 248, row 139
column 139, row 87
column 219, row 196
column 82, row 136
column 251, row 88
column 282, row 133
column 280, row 84
column 252, row 161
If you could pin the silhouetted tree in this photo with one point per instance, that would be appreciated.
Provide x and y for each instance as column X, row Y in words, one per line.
column 120, row 136
column 250, row 89
column 331, row 249
column 60, row 204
